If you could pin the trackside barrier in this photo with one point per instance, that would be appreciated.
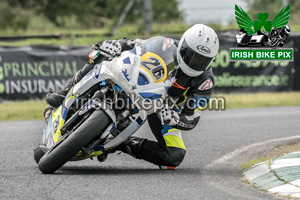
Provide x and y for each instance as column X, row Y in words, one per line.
column 31, row 72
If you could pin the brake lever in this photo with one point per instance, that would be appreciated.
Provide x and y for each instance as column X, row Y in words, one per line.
column 104, row 53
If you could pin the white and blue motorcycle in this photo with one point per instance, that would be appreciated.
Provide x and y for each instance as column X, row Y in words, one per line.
column 91, row 120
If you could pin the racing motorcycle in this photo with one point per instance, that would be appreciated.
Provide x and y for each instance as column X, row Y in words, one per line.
column 90, row 122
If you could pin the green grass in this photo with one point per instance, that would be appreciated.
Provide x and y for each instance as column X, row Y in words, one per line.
column 22, row 110
column 254, row 161
column 262, row 100
column 39, row 25
column 90, row 36
column 33, row 110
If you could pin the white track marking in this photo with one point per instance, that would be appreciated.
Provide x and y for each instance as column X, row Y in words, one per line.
column 257, row 171
column 288, row 162
column 246, row 148
column 286, row 189
column 296, row 182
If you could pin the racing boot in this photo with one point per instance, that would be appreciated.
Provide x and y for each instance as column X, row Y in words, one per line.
column 56, row 98
column 103, row 156
column 130, row 146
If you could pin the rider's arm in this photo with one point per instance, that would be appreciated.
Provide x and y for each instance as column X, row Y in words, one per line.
column 126, row 44
column 190, row 115
column 121, row 45
column 199, row 98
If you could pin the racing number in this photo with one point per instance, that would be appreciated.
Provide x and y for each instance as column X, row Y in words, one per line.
column 155, row 66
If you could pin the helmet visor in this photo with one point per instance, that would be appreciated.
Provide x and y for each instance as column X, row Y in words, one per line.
column 193, row 59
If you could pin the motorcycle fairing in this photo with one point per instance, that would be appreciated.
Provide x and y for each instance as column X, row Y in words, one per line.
column 52, row 133
column 113, row 70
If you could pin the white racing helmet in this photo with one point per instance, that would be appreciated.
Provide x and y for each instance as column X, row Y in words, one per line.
column 197, row 49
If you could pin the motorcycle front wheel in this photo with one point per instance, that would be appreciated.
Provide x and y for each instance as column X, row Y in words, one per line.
column 83, row 135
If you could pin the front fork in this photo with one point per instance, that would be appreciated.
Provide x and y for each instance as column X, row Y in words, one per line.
column 128, row 131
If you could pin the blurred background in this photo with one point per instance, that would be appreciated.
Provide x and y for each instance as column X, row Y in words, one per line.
column 43, row 43
column 82, row 22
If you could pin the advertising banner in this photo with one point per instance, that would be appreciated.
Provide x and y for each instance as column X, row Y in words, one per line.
column 251, row 76
column 32, row 72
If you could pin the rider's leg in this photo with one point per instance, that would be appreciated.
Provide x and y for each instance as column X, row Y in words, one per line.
column 169, row 150
column 56, row 98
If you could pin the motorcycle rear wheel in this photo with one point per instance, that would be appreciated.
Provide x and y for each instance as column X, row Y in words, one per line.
column 63, row 152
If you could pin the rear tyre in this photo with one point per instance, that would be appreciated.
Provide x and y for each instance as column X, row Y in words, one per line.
column 58, row 156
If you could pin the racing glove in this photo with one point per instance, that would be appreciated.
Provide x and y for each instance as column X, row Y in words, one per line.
column 112, row 47
column 169, row 117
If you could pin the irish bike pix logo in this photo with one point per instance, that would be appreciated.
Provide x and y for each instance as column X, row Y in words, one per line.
column 262, row 39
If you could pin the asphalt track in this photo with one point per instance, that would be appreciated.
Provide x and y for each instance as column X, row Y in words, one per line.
column 211, row 169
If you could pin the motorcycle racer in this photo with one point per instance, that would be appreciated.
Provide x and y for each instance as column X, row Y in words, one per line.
column 193, row 54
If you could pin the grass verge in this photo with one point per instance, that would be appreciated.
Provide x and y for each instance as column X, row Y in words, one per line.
column 262, row 100
column 22, row 110
column 33, row 109
column 86, row 37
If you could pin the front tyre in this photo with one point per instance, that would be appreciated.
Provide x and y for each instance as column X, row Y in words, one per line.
column 39, row 152
column 85, row 133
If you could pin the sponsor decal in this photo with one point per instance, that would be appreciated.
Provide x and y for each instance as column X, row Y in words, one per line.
column 167, row 43
column 208, row 84
column 94, row 54
column 97, row 70
column 55, row 124
column 203, row 49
